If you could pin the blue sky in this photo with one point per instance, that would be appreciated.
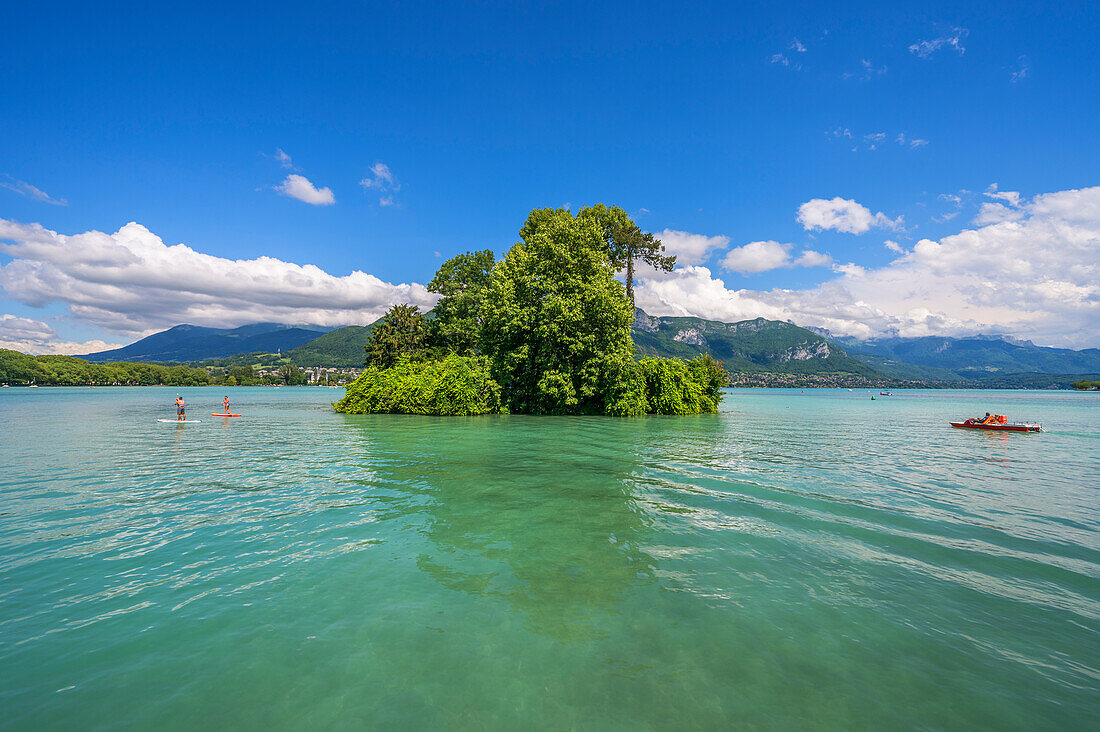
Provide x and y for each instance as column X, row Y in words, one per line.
column 436, row 129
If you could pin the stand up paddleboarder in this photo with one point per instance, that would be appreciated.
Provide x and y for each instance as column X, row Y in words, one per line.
column 181, row 412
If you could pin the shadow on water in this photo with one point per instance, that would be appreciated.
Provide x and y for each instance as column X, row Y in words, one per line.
column 542, row 512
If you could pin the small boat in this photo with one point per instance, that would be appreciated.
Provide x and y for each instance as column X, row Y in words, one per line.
column 971, row 424
column 886, row 393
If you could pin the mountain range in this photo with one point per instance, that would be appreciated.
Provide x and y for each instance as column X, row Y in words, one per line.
column 756, row 346
column 185, row 343
column 974, row 358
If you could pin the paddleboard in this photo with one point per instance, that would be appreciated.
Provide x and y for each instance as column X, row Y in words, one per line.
column 224, row 415
column 181, row 421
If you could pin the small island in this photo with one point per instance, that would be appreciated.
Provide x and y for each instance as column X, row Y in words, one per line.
column 544, row 331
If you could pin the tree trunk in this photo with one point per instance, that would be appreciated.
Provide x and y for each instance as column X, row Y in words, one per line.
column 630, row 279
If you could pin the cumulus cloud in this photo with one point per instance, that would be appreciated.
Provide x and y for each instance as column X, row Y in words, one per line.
column 954, row 39
column 382, row 180
column 35, row 337
column 24, row 188
column 299, row 187
column 993, row 213
column 130, row 282
column 691, row 248
column 761, row 256
column 1037, row 277
column 757, row 256
column 893, row 246
column 845, row 215
column 810, row 258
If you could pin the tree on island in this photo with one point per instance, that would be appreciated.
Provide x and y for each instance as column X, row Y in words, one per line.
column 627, row 243
column 462, row 281
column 556, row 324
column 400, row 332
column 544, row 331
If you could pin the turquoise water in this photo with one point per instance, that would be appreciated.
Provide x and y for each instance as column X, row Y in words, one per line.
column 799, row 561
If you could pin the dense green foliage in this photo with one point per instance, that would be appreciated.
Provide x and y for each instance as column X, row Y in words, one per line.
column 552, row 326
column 673, row 386
column 627, row 243
column 455, row 385
column 462, row 282
column 19, row 368
column 556, row 324
column 291, row 375
column 401, row 332
column 1086, row 385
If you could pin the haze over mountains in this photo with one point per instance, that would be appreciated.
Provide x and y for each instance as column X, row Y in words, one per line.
column 750, row 346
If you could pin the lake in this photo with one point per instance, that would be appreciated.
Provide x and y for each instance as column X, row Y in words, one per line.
column 802, row 560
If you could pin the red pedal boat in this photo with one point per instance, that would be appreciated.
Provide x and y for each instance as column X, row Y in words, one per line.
column 973, row 424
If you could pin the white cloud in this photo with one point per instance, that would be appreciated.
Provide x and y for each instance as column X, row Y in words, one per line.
column 382, row 180
column 1012, row 198
column 870, row 70
column 798, row 46
column 298, row 186
column 925, row 49
column 24, row 188
column 35, row 337
column 132, row 283
column 1023, row 68
column 284, row 159
column 1037, row 277
column 810, row 258
column 844, row 215
column 993, row 213
column 761, row 256
column 778, row 58
column 893, row 246
column 757, row 256
column 691, row 248
column 873, row 140
column 912, row 142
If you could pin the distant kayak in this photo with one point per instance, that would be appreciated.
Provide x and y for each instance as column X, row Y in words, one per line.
column 224, row 415
column 181, row 421
column 997, row 427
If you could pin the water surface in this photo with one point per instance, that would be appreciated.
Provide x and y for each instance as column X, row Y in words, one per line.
column 801, row 560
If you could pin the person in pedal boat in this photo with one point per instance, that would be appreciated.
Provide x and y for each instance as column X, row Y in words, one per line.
column 225, row 403
column 181, row 413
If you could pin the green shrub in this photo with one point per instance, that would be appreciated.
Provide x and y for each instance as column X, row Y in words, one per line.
column 455, row 385
column 673, row 386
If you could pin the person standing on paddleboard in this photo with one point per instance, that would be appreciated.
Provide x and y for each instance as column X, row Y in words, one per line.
column 181, row 412
column 225, row 403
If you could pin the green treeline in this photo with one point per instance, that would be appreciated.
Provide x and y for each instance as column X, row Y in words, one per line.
column 19, row 368
column 1086, row 385
column 544, row 331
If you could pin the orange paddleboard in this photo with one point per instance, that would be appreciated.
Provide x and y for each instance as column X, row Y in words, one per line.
column 224, row 415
